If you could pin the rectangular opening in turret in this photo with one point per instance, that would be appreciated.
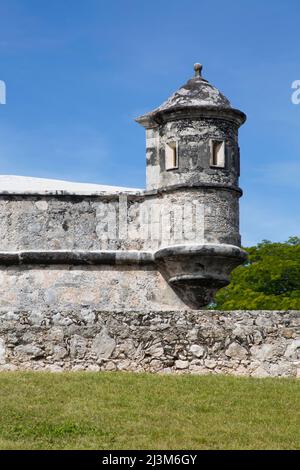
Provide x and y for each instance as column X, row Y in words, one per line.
column 217, row 158
column 171, row 155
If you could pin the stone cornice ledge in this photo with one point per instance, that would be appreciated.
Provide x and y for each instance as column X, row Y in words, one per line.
column 117, row 257
column 75, row 257
column 135, row 195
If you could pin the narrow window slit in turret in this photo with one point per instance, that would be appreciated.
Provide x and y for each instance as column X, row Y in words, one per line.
column 217, row 158
column 171, row 155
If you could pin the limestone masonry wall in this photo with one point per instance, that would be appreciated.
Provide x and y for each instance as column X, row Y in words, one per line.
column 256, row 343
column 36, row 222
column 68, row 288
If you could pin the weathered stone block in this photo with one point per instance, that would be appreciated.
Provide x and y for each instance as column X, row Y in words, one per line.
column 196, row 350
column 236, row 351
column 103, row 345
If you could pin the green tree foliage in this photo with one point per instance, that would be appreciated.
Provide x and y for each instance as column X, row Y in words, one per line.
column 269, row 280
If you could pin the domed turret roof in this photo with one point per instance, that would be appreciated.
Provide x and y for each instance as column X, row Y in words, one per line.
column 197, row 94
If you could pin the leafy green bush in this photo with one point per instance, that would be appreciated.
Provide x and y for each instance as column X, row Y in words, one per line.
column 269, row 280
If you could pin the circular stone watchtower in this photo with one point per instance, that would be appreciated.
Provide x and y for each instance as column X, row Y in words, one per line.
column 192, row 137
column 193, row 155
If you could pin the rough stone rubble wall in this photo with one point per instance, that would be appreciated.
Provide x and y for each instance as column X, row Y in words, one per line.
column 256, row 343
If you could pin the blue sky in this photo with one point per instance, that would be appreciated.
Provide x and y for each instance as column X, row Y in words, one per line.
column 77, row 73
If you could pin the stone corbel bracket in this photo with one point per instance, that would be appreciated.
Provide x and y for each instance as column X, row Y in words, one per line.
column 196, row 272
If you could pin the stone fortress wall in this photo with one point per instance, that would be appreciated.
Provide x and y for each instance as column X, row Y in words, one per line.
column 72, row 298
column 252, row 343
column 169, row 246
column 141, row 221
column 107, row 278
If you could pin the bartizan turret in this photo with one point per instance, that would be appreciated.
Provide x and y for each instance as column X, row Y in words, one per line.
column 193, row 157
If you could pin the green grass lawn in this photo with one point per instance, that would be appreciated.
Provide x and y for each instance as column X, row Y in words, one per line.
column 145, row 411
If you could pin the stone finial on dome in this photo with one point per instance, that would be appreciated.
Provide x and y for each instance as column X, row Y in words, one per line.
column 197, row 69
